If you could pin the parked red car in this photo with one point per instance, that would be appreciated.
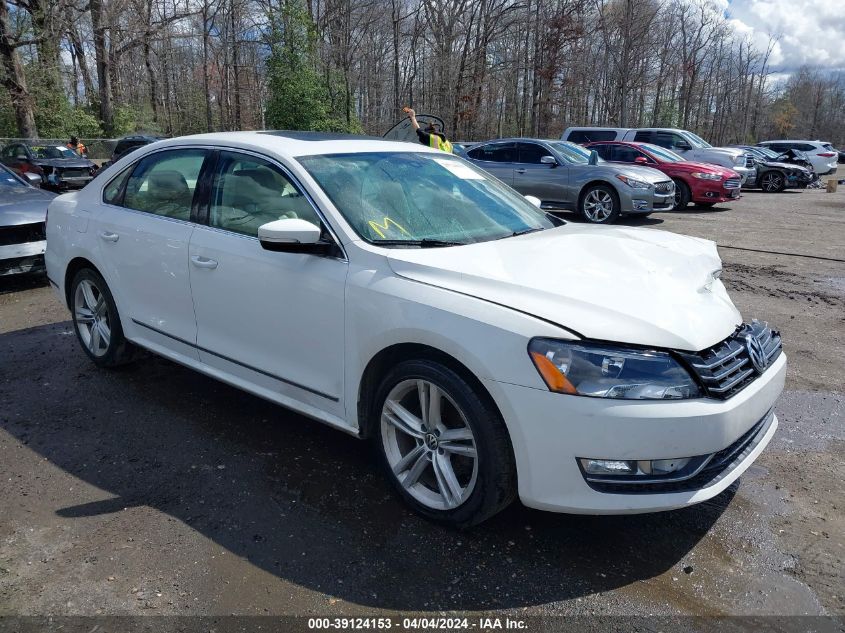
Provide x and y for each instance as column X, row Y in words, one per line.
column 701, row 183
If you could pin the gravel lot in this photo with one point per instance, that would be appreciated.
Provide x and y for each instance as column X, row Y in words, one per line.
column 155, row 490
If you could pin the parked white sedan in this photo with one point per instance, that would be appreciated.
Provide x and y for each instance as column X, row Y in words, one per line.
column 402, row 295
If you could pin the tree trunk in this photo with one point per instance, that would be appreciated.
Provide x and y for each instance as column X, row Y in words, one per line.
column 103, row 68
column 14, row 79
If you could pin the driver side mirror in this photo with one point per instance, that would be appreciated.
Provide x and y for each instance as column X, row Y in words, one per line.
column 683, row 146
column 641, row 160
column 548, row 160
column 292, row 235
column 534, row 200
column 33, row 178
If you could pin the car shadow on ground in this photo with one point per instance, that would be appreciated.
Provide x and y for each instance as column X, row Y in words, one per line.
column 18, row 283
column 300, row 500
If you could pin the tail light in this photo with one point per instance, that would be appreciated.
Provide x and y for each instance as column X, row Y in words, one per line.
column 827, row 154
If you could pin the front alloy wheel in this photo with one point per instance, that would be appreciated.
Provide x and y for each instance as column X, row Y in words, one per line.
column 443, row 443
column 772, row 182
column 429, row 445
column 599, row 205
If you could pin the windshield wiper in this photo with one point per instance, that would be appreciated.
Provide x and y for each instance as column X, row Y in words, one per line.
column 423, row 243
column 523, row 232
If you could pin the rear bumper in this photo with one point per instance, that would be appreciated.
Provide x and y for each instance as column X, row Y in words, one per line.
column 551, row 431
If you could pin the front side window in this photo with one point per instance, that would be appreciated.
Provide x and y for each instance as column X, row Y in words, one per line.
column 531, row 153
column 626, row 154
column 415, row 198
column 666, row 155
column 10, row 152
column 696, row 141
column 669, row 140
column 248, row 192
column 164, row 183
column 495, row 153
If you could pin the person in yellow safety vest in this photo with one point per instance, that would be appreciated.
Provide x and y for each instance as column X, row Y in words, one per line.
column 432, row 136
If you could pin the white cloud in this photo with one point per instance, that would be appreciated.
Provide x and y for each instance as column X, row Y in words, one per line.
column 809, row 32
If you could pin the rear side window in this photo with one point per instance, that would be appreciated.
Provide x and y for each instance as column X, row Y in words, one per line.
column 588, row 136
column 643, row 137
column 164, row 183
column 498, row 153
column 113, row 191
column 805, row 147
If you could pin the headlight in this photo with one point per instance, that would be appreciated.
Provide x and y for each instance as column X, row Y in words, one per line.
column 705, row 176
column 633, row 182
column 610, row 372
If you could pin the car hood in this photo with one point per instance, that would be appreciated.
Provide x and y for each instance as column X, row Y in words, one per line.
column 730, row 151
column 64, row 163
column 628, row 285
column 23, row 205
column 709, row 168
column 648, row 174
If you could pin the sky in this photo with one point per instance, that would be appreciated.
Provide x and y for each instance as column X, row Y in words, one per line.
column 811, row 32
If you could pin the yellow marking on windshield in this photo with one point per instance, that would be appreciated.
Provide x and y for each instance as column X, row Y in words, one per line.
column 375, row 226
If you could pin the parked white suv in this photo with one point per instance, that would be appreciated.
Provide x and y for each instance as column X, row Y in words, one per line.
column 822, row 155
column 687, row 144
column 403, row 295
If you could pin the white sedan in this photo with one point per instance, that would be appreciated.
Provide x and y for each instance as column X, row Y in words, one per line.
column 402, row 295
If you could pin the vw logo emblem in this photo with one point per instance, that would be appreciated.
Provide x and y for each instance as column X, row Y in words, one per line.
column 431, row 441
column 756, row 353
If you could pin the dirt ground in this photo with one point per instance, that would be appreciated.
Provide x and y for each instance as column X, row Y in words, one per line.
column 155, row 490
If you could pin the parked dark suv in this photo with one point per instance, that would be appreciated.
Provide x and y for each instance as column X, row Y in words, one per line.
column 130, row 143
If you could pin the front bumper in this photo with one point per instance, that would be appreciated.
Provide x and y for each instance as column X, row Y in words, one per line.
column 549, row 431
column 22, row 258
column 749, row 174
column 647, row 201
column 712, row 191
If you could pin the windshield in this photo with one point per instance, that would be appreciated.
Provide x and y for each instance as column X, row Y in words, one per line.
column 666, row 155
column 9, row 181
column 52, row 151
column 416, row 198
column 572, row 153
column 696, row 141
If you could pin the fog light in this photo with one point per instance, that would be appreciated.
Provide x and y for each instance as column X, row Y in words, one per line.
column 609, row 466
column 640, row 205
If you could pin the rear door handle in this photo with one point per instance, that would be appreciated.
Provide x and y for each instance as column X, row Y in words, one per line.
column 520, row 171
column 203, row 262
column 109, row 237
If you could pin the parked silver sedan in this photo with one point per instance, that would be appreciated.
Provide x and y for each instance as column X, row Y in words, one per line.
column 567, row 176
column 23, row 212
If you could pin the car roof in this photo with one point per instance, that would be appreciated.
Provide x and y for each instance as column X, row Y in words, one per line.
column 295, row 143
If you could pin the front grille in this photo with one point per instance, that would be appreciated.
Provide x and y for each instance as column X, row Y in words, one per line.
column 732, row 183
column 712, row 468
column 728, row 367
column 22, row 233
column 664, row 186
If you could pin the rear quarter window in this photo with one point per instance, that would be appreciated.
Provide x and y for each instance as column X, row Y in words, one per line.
column 588, row 136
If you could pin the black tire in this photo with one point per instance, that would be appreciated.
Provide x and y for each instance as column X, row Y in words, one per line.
column 772, row 182
column 683, row 195
column 600, row 191
column 118, row 351
column 494, row 481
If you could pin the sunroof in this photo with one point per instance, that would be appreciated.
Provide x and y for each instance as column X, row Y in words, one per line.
column 319, row 136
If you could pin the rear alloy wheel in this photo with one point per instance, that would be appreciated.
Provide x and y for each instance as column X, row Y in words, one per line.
column 682, row 195
column 445, row 448
column 772, row 182
column 599, row 205
column 96, row 321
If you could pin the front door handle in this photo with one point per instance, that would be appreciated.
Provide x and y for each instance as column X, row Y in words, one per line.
column 203, row 262
column 109, row 237
column 520, row 171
